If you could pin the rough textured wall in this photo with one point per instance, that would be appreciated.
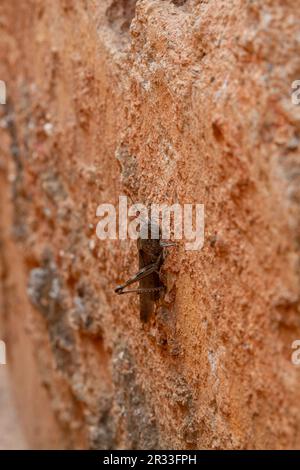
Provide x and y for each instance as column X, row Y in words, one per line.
column 167, row 101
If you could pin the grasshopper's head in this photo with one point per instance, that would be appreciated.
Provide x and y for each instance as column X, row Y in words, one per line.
column 150, row 239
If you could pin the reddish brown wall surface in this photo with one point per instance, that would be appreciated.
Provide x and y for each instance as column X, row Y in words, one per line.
column 192, row 105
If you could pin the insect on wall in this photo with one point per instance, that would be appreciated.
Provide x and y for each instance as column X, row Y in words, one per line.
column 151, row 252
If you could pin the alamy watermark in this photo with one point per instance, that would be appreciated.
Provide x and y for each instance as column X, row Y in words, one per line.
column 184, row 222
column 2, row 92
column 296, row 92
column 295, row 358
column 2, row 353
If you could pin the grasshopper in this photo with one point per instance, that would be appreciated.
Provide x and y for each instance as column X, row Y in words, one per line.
column 151, row 258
